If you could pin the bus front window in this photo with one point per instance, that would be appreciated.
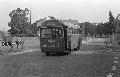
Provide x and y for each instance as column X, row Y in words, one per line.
column 45, row 32
column 52, row 32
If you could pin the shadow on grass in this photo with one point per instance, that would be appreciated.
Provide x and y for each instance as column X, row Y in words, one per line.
column 57, row 54
column 97, row 42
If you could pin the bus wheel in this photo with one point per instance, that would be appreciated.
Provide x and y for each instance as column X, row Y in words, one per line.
column 79, row 44
column 69, row 50
column 78, row 47
column 47, row 53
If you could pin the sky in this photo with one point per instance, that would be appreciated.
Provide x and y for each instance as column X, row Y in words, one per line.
column 93, row 11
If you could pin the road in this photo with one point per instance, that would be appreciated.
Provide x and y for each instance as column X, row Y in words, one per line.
column 92, row 60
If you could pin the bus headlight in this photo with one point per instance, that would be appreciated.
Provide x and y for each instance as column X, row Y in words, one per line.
column 58, row 44
column 44, row 45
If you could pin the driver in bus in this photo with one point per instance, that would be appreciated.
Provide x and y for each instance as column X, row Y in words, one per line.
column 56, row 33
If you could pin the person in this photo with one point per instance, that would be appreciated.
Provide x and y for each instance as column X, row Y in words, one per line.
column 110, row 75
column 9, row 40
column 106, row 42
column 17, row 42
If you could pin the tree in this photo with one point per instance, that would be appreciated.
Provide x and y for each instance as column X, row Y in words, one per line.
column 111, row 22
column 86, row 29
column 19, row 21
column 92, row 29
column 99, row 29
column 117, row 23
column 34, row 28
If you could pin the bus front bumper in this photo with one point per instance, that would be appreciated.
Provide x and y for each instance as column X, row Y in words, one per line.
column 52, row 49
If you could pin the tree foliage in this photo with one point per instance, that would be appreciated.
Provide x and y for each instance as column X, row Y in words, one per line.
column 117, row 23
column 19, row 22
column 89, row 29
column 111, row 23
column 107, row 28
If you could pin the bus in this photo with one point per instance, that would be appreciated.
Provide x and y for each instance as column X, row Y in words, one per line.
column 59, row 37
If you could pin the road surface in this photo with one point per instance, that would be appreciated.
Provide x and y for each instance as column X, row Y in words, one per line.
column 92, row 60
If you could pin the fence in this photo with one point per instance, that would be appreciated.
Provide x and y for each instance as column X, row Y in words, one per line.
column 114, row 39
column 29, row 43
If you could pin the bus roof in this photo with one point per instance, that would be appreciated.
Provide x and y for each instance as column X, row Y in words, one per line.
column 50, row 22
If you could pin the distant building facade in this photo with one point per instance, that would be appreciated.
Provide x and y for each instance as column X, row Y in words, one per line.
column 75, row 22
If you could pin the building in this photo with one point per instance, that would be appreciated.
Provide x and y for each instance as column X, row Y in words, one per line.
column 75, row 22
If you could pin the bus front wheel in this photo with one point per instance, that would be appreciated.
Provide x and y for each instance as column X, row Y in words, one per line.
column 69, row 51
column 69, row 48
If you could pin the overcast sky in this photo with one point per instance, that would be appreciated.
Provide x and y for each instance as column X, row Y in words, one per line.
column 81, row 10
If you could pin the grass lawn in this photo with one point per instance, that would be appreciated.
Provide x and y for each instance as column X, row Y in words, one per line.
column 37, row 64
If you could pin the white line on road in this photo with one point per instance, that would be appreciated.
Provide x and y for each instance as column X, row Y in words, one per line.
column 115, row 61
column 110, row 75
column 114, row 68
column 114, row 52
column 84, row 52
column 117, row 50
column 116, row 57
column 30, row 50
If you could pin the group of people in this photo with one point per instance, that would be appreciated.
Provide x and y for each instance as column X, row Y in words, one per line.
column 8, row 41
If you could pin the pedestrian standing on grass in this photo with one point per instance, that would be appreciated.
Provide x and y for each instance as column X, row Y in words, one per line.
column 9, row 40
column 16, row 41
column 107, row 42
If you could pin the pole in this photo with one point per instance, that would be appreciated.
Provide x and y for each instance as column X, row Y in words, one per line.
column 30, row 15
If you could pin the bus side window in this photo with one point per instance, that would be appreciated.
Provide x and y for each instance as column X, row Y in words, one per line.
column 60, row 32
column 53, row 32
column 69, row 31
column 77, row 31
column 74, row 31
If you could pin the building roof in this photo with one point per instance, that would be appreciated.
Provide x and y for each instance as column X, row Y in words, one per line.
column 75, row 22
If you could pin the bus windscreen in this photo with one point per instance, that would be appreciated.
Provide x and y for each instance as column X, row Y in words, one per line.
column 51, row 32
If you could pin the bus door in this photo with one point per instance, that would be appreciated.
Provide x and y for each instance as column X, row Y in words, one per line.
column 65, row 36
